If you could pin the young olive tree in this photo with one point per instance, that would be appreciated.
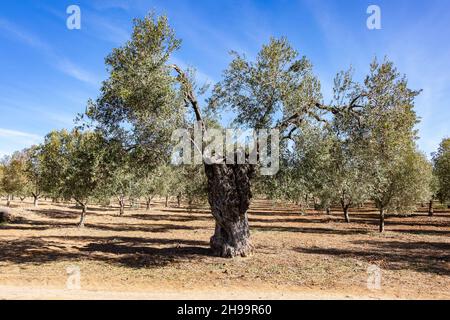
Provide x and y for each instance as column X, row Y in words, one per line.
column 388, row 120
column 441, row 161
column 14, row 180
column 2, row 169
column 54, row 163
column 86, row 170
column 34, row 172
column 73, row 166
column 349, row 181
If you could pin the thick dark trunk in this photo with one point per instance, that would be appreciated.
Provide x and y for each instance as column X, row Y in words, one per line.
column 430, row 208
column 346, row 215
column 382, row 217
column 83, row 216
column 229, row 196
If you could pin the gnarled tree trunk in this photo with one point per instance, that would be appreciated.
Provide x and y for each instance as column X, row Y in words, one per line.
column 229, row 196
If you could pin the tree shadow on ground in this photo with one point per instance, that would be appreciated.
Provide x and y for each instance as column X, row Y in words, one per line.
column 172, row 217
column 309, row 230
column 422, row 232
column 56, row 214
column 128, row 252
column 154, row 228
column 28, row 224
column 427, row 257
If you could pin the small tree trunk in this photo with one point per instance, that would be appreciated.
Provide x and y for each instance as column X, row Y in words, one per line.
column 229, row 196
column 148, row 203
column 328, row 210
column 346, row 215
column 302, row 209
column 8, row 200
column 179, row 200
column 122, row 206
column 83, row 216
column 430, row 208
column 382, row 217
column 167, row 201
column 35, row 200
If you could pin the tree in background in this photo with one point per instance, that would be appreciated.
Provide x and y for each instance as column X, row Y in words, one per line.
column 151, row 183
column 412, row 182
column 441, row 162
column 86, row 171
column 2, row 168
column 54, row 163
column 34, row 173
column 388, row 119
column 349, row 183
column 14, row 180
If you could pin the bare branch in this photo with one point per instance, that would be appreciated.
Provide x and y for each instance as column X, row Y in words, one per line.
column 190, row 95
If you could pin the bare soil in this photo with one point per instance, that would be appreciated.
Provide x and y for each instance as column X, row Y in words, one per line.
column 163, row 253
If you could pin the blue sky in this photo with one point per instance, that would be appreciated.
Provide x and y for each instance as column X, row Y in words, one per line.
column 48, row 72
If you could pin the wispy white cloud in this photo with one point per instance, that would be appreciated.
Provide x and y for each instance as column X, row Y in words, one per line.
column 104, row 29
column 6, row 133
column 23, row 36
column 111, row 4
column 61, row 63
column 13, row 140
column 69, row 68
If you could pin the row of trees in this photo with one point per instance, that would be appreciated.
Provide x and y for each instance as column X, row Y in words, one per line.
column 85, row 168
column 359, row 147
column 348, row 161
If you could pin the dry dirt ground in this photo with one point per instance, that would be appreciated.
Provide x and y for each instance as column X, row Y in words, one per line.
column 163, row 253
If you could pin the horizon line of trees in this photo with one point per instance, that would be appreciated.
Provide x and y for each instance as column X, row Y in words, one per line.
column 321, row 169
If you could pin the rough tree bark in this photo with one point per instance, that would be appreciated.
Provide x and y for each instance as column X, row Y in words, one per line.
column 229, row 195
